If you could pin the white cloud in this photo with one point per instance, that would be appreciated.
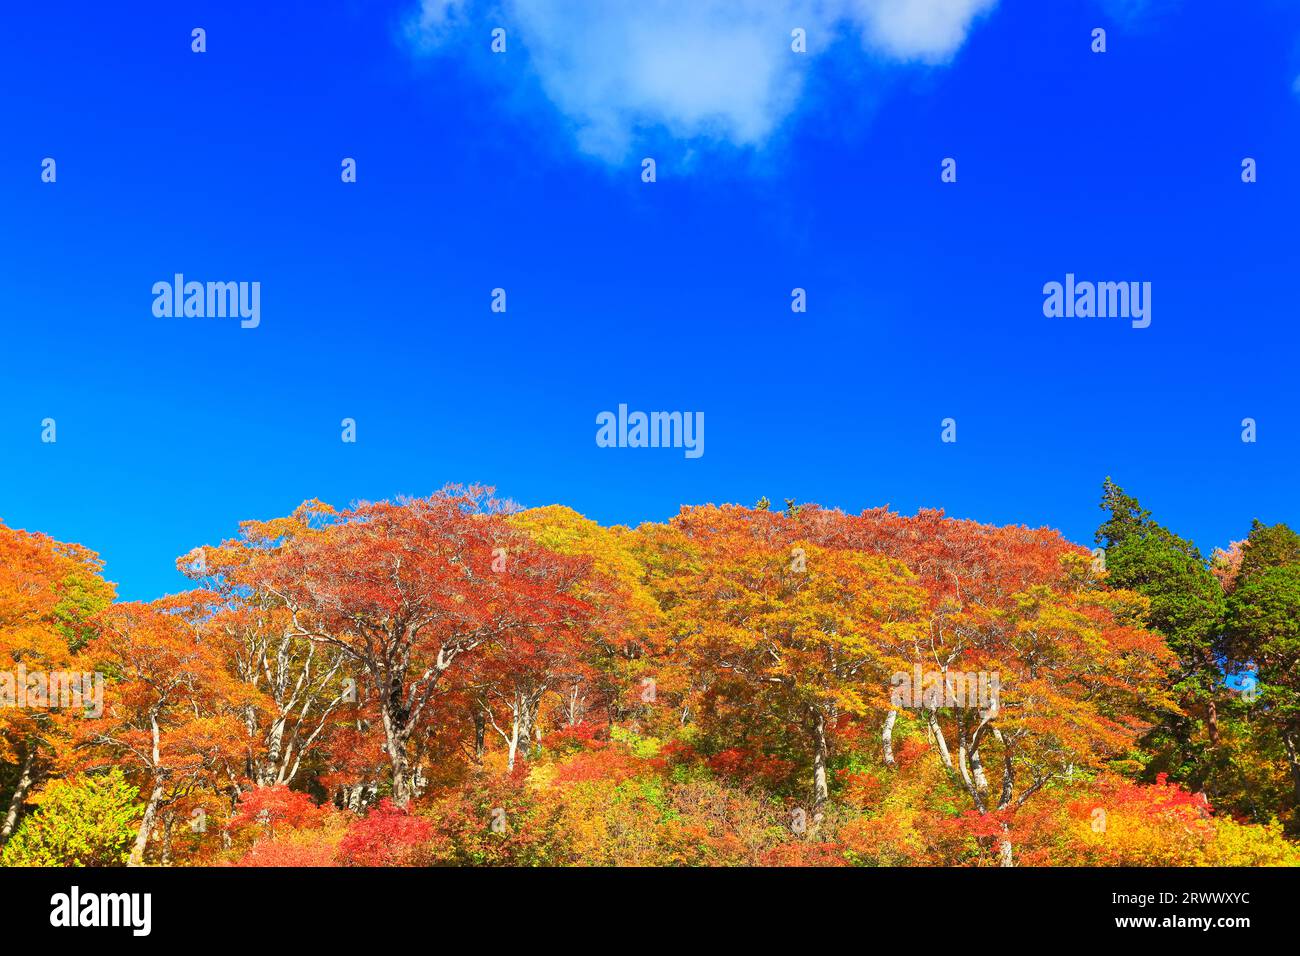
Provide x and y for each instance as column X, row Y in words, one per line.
column 699, row 69
column 926, row 30
column 435, row 21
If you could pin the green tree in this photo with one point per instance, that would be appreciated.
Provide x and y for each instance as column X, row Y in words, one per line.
column 87, row 821
column 1269, row 546
column 1263, row 634
column 1187, row 608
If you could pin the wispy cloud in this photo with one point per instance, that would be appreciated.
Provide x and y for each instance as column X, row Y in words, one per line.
column 435, row 21
column 720, row 70
column 1138, row 13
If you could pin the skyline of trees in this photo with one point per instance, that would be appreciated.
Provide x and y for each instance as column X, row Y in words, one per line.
column 451, row 679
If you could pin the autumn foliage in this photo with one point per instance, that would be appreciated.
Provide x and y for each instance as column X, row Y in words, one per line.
column 453, row 681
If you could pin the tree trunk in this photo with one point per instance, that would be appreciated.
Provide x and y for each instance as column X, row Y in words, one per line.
column 513, row 745
column 401, row 779
column 480, row 733
column 146, row 825
column 356, row 797
column 577, row 706
column 1291, row 739
column 525, row 744
column 1212, row 722
column 521, row 728
column 1004, row 848
column 977, row 771
column 168, row 821
column 26, row 778
column 270, row 769
column 820, row 791
column 936, row 734
column 395, row 739
column 887, row 738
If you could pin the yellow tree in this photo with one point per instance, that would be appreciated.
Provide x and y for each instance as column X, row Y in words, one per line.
column 808, row 633
column 625, row 627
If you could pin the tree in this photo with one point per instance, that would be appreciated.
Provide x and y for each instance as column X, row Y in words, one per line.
column 1186, row 606
column 86, row 821
column 930, row 690
column 1076, row 679
column 49, row 591
column 302, row 683
column 512, row 678
column 799, row 631
column 405, row 590
column 610, row 649
column 171, row 713
column 388, row 836
column 1263, row 633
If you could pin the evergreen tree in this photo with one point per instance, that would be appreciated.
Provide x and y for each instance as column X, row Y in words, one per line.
column 1187, row 607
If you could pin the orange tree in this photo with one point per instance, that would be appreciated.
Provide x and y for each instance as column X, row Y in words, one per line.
column 406, row 590
column 808, row 634
column 171, row 708
column 49, row 591
column 1078, row 678
column 303, row 684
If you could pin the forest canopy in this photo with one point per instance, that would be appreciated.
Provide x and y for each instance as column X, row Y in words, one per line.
column 455, row 680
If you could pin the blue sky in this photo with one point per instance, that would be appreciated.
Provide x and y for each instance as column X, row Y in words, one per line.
column 522, row 171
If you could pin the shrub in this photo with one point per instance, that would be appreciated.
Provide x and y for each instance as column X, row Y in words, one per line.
column 86, row 821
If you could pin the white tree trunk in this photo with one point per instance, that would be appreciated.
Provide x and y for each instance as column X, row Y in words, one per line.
column 820, row 790
column 1004, row 848
column 25, row 780
column 936, row 734
column 146, row 826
